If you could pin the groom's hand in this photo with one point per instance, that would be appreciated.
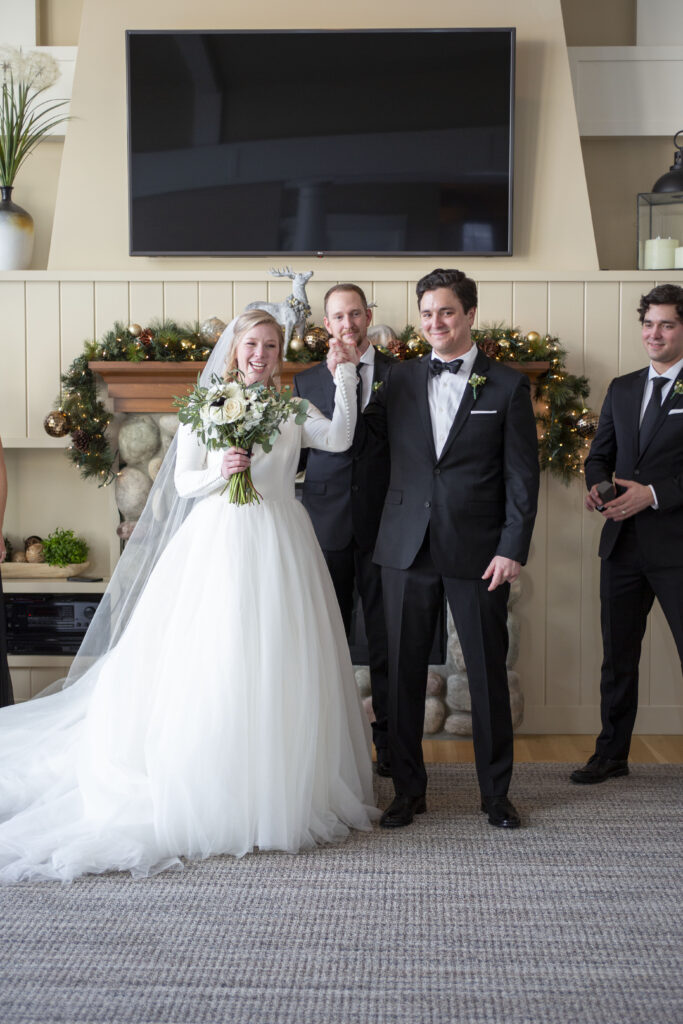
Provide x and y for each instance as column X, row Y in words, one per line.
column 501, row 570
column 341, row 352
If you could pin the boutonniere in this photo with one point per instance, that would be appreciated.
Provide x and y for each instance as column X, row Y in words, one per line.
column 678, row 387
column 476, row 381
column 377, row 385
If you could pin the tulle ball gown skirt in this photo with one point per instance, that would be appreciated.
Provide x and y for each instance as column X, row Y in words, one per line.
column 226, row 718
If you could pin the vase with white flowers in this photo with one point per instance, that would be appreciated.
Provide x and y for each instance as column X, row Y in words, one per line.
column 26, row 117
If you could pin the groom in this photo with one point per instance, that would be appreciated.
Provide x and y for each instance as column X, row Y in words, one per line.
column 457, row 517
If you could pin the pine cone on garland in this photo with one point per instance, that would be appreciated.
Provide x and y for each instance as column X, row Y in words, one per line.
column 81, row 440
column 146, row 336
column 489, row 347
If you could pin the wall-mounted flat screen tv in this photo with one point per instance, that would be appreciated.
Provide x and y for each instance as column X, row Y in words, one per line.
column 307, row 142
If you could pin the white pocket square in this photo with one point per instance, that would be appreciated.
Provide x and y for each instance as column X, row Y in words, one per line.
column 675, row 412
column 490, row 412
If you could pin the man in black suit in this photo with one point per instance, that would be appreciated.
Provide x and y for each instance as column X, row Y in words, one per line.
column 458, row 517
column 639, row 439
column 344, row 491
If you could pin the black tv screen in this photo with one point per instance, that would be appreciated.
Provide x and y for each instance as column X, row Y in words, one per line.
column 339, row 142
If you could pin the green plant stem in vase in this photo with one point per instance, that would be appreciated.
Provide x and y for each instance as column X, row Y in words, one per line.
column 25, row 119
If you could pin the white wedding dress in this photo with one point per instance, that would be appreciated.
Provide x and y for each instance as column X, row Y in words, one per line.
column 225, row 719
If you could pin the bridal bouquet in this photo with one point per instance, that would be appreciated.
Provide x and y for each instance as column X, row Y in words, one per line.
column 231, row 414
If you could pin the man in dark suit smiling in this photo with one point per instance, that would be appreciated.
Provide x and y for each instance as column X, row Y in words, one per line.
column 639, row 439
column 458, row 517
column 343, row 493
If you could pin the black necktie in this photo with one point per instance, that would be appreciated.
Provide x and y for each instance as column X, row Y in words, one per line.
column 651, row 414
column 436, row 366
column 359, row 389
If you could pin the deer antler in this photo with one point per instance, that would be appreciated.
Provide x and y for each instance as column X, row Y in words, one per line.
column 285, row 272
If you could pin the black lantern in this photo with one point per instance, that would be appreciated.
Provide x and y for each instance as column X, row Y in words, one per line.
column 673, row 180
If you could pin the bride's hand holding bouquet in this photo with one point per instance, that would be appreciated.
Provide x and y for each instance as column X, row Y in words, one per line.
column 243, row 408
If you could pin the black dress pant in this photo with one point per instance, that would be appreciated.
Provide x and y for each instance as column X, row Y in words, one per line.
column 628, row 587
column 352, row 566
column 412, row 599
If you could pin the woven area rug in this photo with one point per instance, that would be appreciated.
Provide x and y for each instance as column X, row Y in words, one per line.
column 573, row 919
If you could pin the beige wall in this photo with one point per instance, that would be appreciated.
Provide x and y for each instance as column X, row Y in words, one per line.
column 90, row 225
column 600, row 22
column 48, row 316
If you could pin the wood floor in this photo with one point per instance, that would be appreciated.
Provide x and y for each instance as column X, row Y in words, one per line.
column 565, row 749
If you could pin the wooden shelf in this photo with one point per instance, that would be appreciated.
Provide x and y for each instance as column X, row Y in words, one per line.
column 152, row 386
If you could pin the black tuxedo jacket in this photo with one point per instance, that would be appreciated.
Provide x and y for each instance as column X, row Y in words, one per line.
column 615, row 450
column 343, row 491
column 479, row 497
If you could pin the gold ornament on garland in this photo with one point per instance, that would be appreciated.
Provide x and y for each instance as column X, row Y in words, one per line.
column 56, row 423
column 296, row 343
column 135, row 330
column 532, row 337
column 587, row 424
column 211, row 330
column 316, row 340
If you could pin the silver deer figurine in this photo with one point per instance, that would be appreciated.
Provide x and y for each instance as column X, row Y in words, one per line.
column 294, row 310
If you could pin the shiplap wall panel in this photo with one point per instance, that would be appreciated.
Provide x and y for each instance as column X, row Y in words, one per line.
column 77, row 318
column 393, row 305
column 559, row 663
column 112, row 300
column 146, row 302
column 215, row 299
column 315, row 290
column 532, row 607
column 565, row 505
column 13, row 396
column 530, row 306
column 245, row 292
column 601, row 359
column 42, row 351
column 495, row 304
column 181, row 301
column 632, row 354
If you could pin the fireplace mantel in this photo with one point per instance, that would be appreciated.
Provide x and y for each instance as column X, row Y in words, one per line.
column 151, row 386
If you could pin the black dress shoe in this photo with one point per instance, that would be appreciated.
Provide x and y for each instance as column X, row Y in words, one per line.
column 383, row 763
column 402, row 810
column 501, row 812
column 599, row 769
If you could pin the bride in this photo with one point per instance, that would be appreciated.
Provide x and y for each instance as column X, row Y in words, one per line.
column 212, row 708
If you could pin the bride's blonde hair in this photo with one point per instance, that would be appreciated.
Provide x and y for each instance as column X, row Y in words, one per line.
column 244, row 323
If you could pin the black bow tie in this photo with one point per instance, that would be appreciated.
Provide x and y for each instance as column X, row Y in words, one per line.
column 436, row 366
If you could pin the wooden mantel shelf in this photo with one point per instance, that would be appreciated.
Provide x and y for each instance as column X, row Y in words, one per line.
column 151, row 386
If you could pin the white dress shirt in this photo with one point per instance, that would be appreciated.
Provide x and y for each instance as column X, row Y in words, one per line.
column 670, row 374
column 445, row 393
column 366, row 367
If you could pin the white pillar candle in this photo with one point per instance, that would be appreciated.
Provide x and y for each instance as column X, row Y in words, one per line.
column 659, row 253
column 678, row 258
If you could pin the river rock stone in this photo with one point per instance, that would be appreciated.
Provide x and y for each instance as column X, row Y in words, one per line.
column 130, row 490
column 124, row 529
column 436, row 684
column 458, row 692
column 459, row 724
column 435, row 714
column 139, row 439
column 367, row 708
column 513, row 638
column 154, row 466
column 363, row 680
column 168, row 424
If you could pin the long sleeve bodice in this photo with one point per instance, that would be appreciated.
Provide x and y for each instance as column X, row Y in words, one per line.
column 198, row 471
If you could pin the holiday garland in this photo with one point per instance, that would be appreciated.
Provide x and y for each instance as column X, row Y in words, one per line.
column 566, row 425
column 86, row 418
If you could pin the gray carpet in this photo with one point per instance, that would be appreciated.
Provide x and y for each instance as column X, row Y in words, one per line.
column 574, row 919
